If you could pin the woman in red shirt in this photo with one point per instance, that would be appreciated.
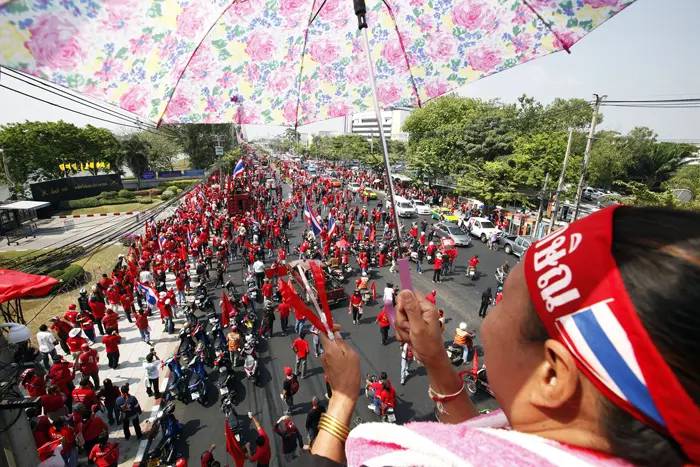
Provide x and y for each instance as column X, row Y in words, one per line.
column 384, row 325
column 54, row 403
column 105, row 454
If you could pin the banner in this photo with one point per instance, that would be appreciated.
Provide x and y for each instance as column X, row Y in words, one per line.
column 64, row 189
column 169, row 173
column 194, row 173
column 83, row 166
column 148, row 175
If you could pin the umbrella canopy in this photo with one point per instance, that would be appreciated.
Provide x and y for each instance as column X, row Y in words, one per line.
column 15, row 284
column 287, row 62
column 342, row 243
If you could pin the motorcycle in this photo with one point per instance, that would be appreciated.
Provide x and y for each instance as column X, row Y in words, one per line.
column 455, row 353
column 250, row 366
column 198, row 391
column 250, row 346
column 230, row 287
column 171, row 429
column 252, row 288
column 205, row 344
column 472, row 273
column 501, row 276
column 386, row 413
column 186, row 343
column 366, row 296
column 226, row 390
column 217, row 331
column 476, row 379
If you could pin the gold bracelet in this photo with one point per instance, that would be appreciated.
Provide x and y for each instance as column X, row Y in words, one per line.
column 333, row 432
column 339, row 429
column 332, row 421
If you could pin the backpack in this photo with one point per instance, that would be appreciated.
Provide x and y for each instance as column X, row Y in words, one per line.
column 294, row 385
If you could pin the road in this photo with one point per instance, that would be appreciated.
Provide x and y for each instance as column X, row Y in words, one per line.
column 457, row 295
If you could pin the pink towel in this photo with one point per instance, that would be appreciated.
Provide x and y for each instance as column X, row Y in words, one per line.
column 483, row 441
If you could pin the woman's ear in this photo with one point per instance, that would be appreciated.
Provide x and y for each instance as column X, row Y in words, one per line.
column 555, row 380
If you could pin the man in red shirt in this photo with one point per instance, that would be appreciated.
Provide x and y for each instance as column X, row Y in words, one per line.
column 267, row 290
column 75, row 342
column 284, row 310
column 84, row 394
column 61, row 430
column 110, row 321
column 72, row 314
column 111, row 343
column 262, row 452
column 356, row 306
column 142, row 325
column 98, row 308
column 301, row 347
column 104, row 453
column 384, row 325
column 87, row 364
column 62, row 329
column 437, row 268
column 300, row 321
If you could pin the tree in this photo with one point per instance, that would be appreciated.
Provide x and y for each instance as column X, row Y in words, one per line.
column 291, row 135
column 164, row 149
column 99, row 145
column 687, row 178
column 198, row 141
column 491, row 183
column 135, row 152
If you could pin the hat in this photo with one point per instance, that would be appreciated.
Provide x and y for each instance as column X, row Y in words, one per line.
column 463, row 326
column 85, row 346
column 72, row 306
column 55, row 318
column 434, row 292
column 162, row 294
column 287, row 371
column 75, row 332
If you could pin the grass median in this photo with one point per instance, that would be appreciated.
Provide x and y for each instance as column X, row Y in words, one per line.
column 128, row 207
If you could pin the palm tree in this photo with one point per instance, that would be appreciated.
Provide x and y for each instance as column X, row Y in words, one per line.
column 135, row 152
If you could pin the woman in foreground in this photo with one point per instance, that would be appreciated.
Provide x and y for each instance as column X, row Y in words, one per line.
column 593, row 355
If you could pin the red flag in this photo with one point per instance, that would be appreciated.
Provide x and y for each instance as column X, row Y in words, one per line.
column 233, row 447
column 183, row 252
column 373, row 288
column 371, row 235
column 226, row 308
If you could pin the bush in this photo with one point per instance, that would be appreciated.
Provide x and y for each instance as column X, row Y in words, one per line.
column 107, row 194
column 83, row 203
column 126, row 194
column 113, row 201
column 180, row 183
column 145, row 193
column 144, row 199
column 178, row 191
column 166, row 195
column 56, row 274
column 72, row 272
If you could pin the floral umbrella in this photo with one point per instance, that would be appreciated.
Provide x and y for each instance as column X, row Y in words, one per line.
column 288, row 62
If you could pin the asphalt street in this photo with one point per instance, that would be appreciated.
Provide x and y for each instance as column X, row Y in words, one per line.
column 457, row 295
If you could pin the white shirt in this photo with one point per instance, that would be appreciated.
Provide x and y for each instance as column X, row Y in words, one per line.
column 258, row 267
column 388, row 294
column 146, row 276
column 46, row 341
column 151, row 369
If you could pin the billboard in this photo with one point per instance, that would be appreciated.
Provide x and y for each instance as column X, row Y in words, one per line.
column 169, row 173
column 194, row 173
column 65, row 189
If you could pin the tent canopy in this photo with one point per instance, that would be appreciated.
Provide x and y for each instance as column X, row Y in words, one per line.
column 15, row 284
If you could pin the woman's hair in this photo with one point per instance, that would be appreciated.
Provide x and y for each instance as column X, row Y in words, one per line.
column 107, row 383
column 657, row 251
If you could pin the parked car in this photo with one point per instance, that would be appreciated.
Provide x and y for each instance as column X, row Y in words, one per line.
column 591, row 194
column 446, row 213
column 404, row 208
column 335, row 291
column 335, row 183
column 481, row 228
column 515, row 245
column 421, row 207
column 450, row 230
column 355, row 187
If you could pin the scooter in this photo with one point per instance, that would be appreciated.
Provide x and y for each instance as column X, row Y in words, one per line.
column 500, row 276
column 198, row 391
column 171, row 429
column 366, row 296
column 476, row 379
column 250, row 366
column 386, row 413
column 226, row 389
column 216, row 331
column 472, row 273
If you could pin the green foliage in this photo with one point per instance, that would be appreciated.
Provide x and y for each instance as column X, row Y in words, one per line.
column 134, row 153
column 198, row 141
column 34, row 150
column 107, row 194
column 126, row 194
column 183, row 184
column 69, row 277
column 687, row 178
column 638, row 194
column 116, row 200
column 230, row 159
column 83, row 203
column 163, row 149
column 143, row 199
column 166, row 195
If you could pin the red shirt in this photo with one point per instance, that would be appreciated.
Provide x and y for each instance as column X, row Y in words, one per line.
column 437, row 264
column 355, row 300
column 71, row 316
column 111, row 343
column 110, row 320
column 66, row 432
column 431, row 298
column 180, row 283
column 383, row 319
column 87, row 362
column 262, row 453
column 105, row 456
column 267, row 290
column 86, row 396
column 474, row 262
column 301, row 347
column 74, row 343
column 142, row 320
column 283, row 310
column 35, row 387
column 61, row 327
column 93, row 427
column 98, row 308
column 52, row 403
column 298, row 315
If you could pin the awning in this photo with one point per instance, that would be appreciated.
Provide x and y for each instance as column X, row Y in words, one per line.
column 15, row 284
column 20, row 205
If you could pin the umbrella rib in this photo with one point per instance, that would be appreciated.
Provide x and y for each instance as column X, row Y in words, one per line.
column 194, row 52
column 405, row 55
column 303, row 54
column 547, row 25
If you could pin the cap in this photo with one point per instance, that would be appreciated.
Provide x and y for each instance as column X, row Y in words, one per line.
column 463, row 326
column 72, row 306
column 287, row 371
column 434, row 292
column 162, row 294
column 74, row 332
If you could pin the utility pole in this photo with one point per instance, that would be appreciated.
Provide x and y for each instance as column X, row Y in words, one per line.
column 543, row 198
column 587, row 154
column 560, row 185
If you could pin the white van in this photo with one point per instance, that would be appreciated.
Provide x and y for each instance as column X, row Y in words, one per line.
column 404, row 207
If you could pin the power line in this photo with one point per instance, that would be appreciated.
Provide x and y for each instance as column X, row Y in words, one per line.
column 50, row 88
column 655, row 101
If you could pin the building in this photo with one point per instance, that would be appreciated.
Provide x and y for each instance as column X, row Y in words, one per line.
column 365, row 123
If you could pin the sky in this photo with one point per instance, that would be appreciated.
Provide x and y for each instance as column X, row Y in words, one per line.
column 646, row 52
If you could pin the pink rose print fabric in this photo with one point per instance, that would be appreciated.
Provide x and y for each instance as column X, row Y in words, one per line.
column 262, row 62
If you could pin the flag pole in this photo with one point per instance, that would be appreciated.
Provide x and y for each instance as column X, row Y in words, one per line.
column 404, row 267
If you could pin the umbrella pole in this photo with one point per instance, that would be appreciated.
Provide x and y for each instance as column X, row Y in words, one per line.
column 378, row 113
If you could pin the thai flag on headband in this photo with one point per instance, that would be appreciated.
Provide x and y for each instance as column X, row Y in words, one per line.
column 601, row 344
column 239, row 169
column 149, row 292
column 331, row 225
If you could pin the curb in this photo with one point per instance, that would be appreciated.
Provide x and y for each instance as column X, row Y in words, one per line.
column 108, row 214
column 158, row 403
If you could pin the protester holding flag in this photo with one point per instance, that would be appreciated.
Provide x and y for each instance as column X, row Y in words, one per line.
column 263, row 453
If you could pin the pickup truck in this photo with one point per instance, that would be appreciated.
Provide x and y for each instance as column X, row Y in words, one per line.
column 335, row 292
column 515, row 245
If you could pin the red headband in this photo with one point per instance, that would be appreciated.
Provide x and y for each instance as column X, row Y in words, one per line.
column 580, row 297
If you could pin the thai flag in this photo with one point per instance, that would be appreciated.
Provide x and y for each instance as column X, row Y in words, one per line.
column 311, row 217
column 331, row 226
column 601, row 344
column 161, row 241
column 149, row 292
column 239, row 169
column 189, row 238
column 307, row 211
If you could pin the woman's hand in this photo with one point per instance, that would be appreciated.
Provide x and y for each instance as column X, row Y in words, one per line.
column 342, row 365
column 417, row 323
